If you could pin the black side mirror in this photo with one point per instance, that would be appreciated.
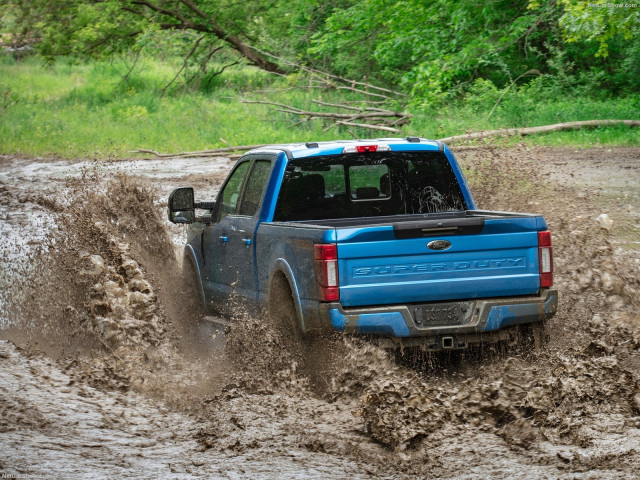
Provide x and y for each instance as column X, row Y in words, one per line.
column 182, row 206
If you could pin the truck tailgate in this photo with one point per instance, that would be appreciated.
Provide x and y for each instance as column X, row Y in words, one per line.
column 379, row 265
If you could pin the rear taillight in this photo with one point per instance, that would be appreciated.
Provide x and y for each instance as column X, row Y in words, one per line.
column 545, row 254
column 325, row 261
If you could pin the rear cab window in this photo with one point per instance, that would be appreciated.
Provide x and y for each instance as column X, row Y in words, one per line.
column 373, row 184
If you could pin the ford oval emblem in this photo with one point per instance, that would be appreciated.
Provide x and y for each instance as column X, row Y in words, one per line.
column 439, row 245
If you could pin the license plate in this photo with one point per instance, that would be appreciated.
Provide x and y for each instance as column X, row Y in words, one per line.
column 442, row 314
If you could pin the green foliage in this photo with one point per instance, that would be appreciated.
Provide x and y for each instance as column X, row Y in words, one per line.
column 433, row 47
column 89, row 110
column 599, row 21
column 435, row 51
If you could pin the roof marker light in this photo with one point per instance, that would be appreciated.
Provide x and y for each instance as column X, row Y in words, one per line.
column 366, row 148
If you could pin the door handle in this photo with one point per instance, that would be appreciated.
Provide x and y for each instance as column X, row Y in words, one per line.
column 247, row 241
column 224, row 238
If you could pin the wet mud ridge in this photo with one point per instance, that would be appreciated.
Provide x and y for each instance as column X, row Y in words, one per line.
column 108, row 369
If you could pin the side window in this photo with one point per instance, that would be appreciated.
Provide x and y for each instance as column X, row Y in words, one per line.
column 255, row 188
column 231, row 193
column 369, row 182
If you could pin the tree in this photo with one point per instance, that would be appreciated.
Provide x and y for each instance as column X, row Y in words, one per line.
column 102, row 27
column 431, row 47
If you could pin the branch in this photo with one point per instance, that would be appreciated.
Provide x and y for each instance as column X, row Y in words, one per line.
column 337, row 105
column 296, row 111
column 135, row 62
column 184, row 64
column 329, row 75
column 219, row 72
column 237, row 44
column 359, row 109
column 165, row 11
column 369, row 126
column 377, row 95
column 203, row 64
column 528, row 72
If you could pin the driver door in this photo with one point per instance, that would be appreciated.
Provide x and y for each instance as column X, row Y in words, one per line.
column 218, row 276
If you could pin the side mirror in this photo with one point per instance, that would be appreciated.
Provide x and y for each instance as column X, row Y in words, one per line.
column 181, row 206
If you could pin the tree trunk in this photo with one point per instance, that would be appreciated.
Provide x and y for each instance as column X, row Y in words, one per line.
column 248, row 53
column 234, row 41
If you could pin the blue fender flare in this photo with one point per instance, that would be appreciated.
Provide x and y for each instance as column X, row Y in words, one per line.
column 190, row 256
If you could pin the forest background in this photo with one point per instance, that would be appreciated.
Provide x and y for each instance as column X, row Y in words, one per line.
column 101, row 78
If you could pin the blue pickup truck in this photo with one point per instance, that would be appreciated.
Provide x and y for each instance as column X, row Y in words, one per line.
column 374, row 237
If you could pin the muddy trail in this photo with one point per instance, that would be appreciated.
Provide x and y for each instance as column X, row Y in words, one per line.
column 107, row 368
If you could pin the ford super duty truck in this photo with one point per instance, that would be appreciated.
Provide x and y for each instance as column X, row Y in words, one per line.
column 376, row 237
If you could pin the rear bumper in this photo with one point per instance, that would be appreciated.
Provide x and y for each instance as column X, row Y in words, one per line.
column 469, row 317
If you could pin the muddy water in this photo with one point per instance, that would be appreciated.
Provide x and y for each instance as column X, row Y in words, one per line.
column 115, row 373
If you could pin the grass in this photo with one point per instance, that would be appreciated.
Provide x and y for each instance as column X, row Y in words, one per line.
column 87, row 110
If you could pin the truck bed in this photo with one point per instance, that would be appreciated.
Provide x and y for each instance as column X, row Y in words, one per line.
column 388, row 260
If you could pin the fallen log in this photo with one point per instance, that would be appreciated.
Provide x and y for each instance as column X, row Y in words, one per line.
column 200, row 153
column 508, row 132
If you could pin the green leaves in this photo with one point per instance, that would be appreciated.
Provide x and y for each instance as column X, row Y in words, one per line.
column 595, row 21
column 434, row 50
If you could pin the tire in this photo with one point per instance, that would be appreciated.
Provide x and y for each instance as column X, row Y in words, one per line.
column 192, row 294
column 533, row 337
column 282, row 309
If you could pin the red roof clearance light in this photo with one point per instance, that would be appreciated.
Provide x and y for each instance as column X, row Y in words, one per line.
column 366, row 148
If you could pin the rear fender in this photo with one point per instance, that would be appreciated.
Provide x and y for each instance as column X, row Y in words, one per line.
column 281, row 265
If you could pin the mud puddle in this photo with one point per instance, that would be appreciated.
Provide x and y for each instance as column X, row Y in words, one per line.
column 113, row 376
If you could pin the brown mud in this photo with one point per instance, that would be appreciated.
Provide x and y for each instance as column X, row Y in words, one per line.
column 107, row 369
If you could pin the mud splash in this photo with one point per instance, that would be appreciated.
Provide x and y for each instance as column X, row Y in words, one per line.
column 99, row 293
column 105, row 288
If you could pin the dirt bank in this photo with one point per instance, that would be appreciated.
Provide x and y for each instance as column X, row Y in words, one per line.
column 114, row 374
